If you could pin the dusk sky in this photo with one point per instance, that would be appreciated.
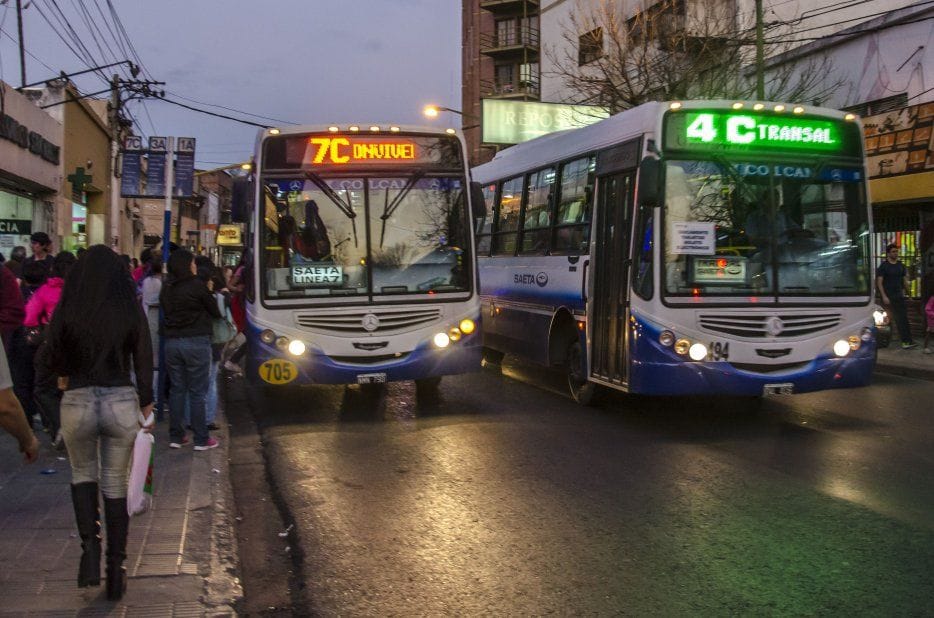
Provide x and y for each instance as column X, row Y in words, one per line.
column 300, row 61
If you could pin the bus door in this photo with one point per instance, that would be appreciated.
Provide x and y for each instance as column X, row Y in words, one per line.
column 608, row 312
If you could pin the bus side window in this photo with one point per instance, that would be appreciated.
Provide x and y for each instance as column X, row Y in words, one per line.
column 642, row 254
column 507, row 217
column 572, row 223
column 484, row 222
column 536, row 225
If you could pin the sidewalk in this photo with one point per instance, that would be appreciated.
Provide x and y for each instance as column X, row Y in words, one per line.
column 910, row 363
column 182, row 555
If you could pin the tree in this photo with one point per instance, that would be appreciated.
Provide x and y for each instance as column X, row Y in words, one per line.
column 675, row 49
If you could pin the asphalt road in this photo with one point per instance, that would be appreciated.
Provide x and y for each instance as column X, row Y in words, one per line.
column 502, row 496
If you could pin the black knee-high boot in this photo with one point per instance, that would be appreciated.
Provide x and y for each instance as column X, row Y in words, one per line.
column 118, row 522
column 88, row 517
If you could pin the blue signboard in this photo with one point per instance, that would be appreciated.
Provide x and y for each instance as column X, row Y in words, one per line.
column 130, row 174
column 184, row 174
column 155, row 175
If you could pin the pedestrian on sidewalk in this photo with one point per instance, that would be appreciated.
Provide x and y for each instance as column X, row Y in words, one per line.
column 929, row 318
column 97, row 334
column 12, row 418
column 188, row 310
column 237, row 288
column 892, row 282
column 39, row 311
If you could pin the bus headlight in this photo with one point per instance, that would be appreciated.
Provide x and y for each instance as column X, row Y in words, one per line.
column 854, row 342
column 682, row 346
column 880, row 317
column 296, row 347
column 454, row 334
column 841, row 347
column 467, row 326
column 282, row 342
column 698, row 352
column 866, row 334
column 666, row 338
column 441, row 340
column 267, row 337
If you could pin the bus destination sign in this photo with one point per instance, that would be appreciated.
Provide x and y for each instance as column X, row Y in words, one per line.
column 725, row 130
column 333, row 151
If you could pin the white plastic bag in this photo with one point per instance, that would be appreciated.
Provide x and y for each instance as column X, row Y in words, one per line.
column 139, row 490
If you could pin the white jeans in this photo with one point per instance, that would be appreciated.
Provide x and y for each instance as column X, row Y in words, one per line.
column 99, row 425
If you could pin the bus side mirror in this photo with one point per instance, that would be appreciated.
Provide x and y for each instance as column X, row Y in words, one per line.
column 648, row 182
column 240, row 194
column 476, row 198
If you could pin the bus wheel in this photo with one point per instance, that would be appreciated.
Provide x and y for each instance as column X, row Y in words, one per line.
column 582, row 391
column 492, row 357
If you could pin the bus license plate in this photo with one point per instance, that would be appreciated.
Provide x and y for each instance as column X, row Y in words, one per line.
column 785, row 388
column 371, row 378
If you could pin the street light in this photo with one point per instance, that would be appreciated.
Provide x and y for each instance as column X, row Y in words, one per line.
column 432, row 111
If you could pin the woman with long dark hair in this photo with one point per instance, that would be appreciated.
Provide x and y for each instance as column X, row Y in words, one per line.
column 97, row 336
column 188, row 310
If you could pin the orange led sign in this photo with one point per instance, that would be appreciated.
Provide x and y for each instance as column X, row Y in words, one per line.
column 347, row 150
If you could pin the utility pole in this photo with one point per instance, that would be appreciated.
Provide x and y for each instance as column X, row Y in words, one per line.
column 760, row 61
column 115, row 141
column 22, row 46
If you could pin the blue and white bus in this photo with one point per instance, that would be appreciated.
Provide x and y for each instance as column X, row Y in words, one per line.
column 697, row 247
column 363, row 268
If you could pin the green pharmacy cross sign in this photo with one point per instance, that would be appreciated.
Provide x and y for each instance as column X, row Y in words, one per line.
column 79, row 180
column 722, row 130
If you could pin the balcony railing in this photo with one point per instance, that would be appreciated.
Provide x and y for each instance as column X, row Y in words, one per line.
column 529, row 7
column 515, row 89
column 512, row 41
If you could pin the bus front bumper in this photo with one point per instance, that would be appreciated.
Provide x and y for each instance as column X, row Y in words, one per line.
column 315, row 367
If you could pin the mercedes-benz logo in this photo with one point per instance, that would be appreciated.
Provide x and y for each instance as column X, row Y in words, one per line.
column 774, row 326
column 370, row 322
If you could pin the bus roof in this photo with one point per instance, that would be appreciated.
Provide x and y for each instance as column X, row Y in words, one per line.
column 621, row 127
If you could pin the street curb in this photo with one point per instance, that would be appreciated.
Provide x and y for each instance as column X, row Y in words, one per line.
column 908, row 372
column 223, row 588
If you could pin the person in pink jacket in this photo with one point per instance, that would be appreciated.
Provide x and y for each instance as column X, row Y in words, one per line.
column 39, row 309
column 42, row 304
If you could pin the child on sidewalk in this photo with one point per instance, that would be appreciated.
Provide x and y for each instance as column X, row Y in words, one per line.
column 929, row 314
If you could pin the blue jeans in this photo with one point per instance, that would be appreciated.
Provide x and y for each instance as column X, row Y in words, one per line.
column 189, row 365
column 105, row 416
column 210, row 399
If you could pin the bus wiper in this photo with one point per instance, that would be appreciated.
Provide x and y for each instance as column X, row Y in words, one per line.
column 390, row 207
column 332, row 195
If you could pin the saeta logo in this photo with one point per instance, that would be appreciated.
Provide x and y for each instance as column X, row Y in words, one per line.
column 541, row 279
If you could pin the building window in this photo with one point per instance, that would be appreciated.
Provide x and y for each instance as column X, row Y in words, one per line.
column 590, row 46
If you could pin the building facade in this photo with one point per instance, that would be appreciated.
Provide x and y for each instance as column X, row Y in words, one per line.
column 30, row 169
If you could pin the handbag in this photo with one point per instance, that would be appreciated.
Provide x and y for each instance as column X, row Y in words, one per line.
column 139, row 488
column 222, row 329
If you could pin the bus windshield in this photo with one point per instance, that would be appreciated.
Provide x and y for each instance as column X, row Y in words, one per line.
column 365, row 235
column 762, row 228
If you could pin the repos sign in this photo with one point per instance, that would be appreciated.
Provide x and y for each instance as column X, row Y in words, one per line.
column 512, row 122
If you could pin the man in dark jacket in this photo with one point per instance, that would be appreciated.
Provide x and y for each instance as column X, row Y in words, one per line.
column 41, row 249
column 189, row 309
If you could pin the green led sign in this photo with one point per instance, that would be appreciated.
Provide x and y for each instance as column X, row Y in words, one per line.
column 723, row 130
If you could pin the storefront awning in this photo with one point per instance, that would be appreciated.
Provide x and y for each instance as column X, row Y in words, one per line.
column 917, row 187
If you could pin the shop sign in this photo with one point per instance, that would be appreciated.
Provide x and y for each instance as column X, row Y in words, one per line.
column 12, row 130
column 900, row 141
column 229, row 234
column 512, row 122
column 16, row 226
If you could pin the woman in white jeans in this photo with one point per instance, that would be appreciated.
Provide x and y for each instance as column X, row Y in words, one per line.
column 97, row 334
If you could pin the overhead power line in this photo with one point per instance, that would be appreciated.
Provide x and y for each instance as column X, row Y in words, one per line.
column 210, row 113
column 230, row 109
